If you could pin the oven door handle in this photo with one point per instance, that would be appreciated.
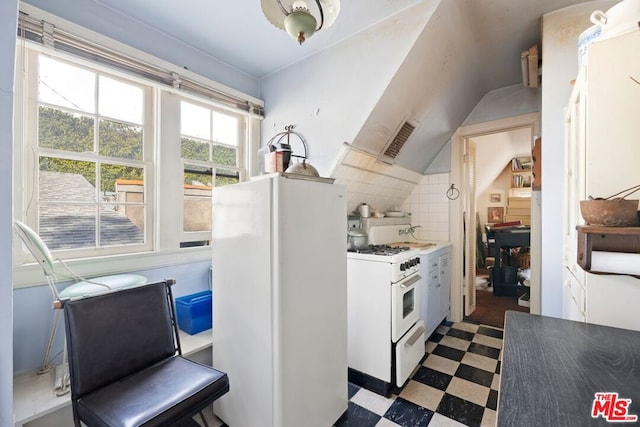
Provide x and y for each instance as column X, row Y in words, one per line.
column 417, row 334
column 410, row 281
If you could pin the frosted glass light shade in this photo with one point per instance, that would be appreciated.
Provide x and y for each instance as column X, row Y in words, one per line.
column 300, row 25
column 301, row 13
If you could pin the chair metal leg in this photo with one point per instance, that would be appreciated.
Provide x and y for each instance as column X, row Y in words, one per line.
column 46, row 367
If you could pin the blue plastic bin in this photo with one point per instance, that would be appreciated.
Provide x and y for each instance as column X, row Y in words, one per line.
column 194, row 312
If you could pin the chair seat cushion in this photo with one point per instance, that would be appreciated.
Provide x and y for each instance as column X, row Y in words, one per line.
column 101, row 284
column 161, row 395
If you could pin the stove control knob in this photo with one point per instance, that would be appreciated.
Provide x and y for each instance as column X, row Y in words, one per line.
column 403, row 266
column 417, row 260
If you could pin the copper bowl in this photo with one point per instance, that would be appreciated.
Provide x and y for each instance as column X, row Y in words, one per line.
column 610, row 213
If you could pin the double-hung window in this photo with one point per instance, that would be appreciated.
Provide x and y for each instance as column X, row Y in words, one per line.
column 90, row 136
column 117, row 153
column 211, row 157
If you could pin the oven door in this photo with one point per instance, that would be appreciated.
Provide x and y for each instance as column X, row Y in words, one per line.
column 404, row 305
column 409, row 352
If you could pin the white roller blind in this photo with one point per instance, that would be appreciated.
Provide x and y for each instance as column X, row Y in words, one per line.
column 49, row 35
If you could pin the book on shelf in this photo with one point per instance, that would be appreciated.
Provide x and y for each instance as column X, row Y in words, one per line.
column 521, row 163
column 519, row 181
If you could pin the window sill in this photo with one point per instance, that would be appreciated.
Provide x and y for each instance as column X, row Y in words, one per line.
column 29, row 275
column 33, row 395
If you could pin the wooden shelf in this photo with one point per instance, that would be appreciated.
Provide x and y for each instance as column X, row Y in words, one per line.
column 593, row 238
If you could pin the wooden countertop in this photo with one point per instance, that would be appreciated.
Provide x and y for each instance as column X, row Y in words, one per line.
column 552, row 368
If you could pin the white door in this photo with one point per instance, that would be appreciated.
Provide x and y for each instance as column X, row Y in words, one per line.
column 470, row 227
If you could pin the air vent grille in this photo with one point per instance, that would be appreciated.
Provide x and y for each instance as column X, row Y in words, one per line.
column 399, row 140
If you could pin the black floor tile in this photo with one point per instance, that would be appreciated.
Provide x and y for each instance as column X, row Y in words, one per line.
column 458, row 333
column 408, row 414
column 495, row 333
column 473, row 374
column 484, row 350
column 446, row 323
column 436, row 337
column 492, row 401
column 432, row 378
column 465, row 412
column 358, row 416
column 448, row 352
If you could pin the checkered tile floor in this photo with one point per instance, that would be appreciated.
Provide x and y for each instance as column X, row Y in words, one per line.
column 456, row 385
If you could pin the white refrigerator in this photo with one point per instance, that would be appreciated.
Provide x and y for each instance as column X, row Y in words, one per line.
column 280, row 301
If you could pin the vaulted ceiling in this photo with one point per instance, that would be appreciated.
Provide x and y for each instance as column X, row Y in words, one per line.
column 465, row 49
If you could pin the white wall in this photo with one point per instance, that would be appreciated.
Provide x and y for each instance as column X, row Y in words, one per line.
column 560, row 31
column 330, row 95
column 508, row 101
column 429, row 207
column 500, row 185
column 8, row 19
column 381, row 186
column 96, row 16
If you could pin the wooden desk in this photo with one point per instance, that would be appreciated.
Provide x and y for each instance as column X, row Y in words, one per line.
column 552, row 368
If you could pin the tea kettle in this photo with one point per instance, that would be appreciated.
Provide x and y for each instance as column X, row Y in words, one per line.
column 303, row 168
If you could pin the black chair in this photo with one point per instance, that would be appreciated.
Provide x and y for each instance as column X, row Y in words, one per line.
column 126, row 364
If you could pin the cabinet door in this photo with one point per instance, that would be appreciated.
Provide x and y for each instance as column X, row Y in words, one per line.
column 574, row 298
column 612, row 125
column 445, row 284
column 433, row 294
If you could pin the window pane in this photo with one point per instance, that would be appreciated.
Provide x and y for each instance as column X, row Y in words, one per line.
column 197, row 198
column 120, row 140
column 64, row 131
column 226, row 177
column 67, row 180
column 120, row 100
column 224, row 155
column 198, row 175
column 65, row 85
column 121, row 224
column 124, row 179
column 225, row 129
column 67, row 226
column 195, row 121
column 195, row 150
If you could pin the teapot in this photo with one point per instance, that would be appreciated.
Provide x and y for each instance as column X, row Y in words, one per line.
column 303, row 168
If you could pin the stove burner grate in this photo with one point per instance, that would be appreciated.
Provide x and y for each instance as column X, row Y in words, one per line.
column 381, row 250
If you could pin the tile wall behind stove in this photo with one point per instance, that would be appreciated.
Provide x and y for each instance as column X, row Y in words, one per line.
column 429, row 207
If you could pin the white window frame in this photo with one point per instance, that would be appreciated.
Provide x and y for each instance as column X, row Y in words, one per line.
column 166, row 166
column 33, row 152
column 239, row 168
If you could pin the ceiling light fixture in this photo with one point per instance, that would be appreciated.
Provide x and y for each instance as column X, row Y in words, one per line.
column 296, row 17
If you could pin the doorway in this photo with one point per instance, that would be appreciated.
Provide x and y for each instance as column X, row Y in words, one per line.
column 463, row 219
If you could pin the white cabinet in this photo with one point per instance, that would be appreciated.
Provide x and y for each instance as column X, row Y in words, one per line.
column 574, row 298
column 436, row 271
column 602, row 150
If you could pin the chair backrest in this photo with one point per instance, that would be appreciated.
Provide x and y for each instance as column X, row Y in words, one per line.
column 115, row 334
column 36, row 246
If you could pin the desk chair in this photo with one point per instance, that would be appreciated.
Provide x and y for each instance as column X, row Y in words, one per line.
column 126, row 364
column 81, row 287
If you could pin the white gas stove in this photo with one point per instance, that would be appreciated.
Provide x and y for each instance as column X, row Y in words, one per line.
column 386, row 335
column 403, row 261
